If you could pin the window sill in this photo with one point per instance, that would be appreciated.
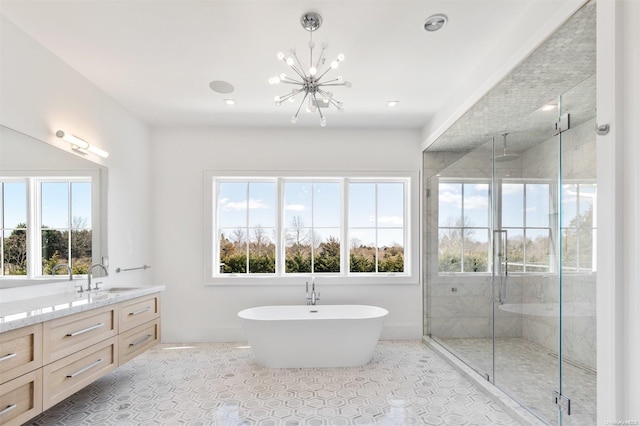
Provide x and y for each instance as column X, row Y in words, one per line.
column 243, row 280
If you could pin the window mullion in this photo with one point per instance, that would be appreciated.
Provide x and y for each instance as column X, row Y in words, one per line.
column 280, row 239
column 344, row 226
column 34, row 228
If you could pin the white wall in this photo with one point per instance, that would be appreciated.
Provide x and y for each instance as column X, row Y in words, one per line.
column 195, row 312
column 618, row 157
column 41, row 94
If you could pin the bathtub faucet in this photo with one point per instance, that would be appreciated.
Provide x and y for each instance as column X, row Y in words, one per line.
column 311, row 300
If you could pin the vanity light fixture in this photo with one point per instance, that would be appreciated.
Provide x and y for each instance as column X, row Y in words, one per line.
column 81, row 146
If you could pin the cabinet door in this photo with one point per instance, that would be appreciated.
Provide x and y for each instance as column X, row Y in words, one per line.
column 21, row 398
column 138, row 311
column 20, row 352
column 66, row 335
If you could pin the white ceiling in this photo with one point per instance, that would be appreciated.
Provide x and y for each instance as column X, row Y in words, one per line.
column 157, row 57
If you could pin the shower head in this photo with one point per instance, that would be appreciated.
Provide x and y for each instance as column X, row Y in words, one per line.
column 505, row 156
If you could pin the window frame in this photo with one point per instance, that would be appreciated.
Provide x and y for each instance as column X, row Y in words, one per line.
column 33, row 179
column 411, row 229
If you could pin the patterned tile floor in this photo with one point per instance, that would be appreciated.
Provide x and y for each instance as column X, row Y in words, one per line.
column 407, row 383
column 530, row 373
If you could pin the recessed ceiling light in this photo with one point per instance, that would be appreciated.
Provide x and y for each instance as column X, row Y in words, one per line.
column 230, row 102
column 435, row 22
column 220, row 86
column 392, row 103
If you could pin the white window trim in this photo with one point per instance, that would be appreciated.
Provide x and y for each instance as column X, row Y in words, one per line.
column 411, row 244
column 34, row 248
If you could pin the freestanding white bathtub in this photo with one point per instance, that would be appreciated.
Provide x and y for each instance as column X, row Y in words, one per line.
column 303, row 336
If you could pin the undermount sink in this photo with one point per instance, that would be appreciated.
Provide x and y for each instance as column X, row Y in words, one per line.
column 118, row 289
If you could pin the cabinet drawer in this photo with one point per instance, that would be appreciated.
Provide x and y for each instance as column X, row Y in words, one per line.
column 138, row 340
column 70, row 334
column 21, row 398
column 20, row 352
column 139, row 311
column 70, row 374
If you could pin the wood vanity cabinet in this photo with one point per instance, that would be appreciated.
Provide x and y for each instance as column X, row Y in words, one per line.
column 20, row 374
column 42, row 364
column 139, row 322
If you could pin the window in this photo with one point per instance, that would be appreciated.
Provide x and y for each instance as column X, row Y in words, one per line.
column 578, row 227
column 376, row 227
column 45, row 221
column 525, row 219
column 287, row 226
column 463, row 226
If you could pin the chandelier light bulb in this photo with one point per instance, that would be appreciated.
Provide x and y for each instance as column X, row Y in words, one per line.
column 280, row 56
column 277, row 99
column 283, row 76
column 325, row 100
column 311, row 45
column 341, row 57
column 278, row 103
column 313, row 71
column 294, row 119
column 347, row 84
column 323, row 122
column 290, row 61
column 339, row 79
column 334, row 64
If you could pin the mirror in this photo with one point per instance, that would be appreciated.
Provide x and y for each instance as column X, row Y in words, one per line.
column 66, row 173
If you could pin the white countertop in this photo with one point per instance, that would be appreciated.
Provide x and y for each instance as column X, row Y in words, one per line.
column 21, row 313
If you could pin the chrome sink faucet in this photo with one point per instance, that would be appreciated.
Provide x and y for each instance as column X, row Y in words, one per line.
column 89, row 272
column 311, row 300
column 62, row 265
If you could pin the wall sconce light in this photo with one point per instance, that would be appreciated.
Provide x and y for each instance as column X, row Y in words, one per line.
column 80, row 145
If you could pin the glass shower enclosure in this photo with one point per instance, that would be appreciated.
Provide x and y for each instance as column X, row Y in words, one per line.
column 511, row 258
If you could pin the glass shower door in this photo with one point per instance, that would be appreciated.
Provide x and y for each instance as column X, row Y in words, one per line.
column 578, row 235
column 525, row 271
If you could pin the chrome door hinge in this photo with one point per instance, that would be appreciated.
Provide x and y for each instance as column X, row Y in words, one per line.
column 563, row 402
column 563, row 124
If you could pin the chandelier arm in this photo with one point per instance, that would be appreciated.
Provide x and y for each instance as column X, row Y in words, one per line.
column 319, row 60
column 301, row 103
column 318, row 108
column 331, row 84
column 300, row 83
column 285, row 97
column 335, row 103
column 325, row 73
column 301, row 73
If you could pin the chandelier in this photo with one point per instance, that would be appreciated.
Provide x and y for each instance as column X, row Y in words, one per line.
column 308, row 81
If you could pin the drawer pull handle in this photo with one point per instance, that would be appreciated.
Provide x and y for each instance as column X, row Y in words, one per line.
column 88, row 367
column 7, row 357
column 93, row 327
column 139, row 311
column 140, row 340
column 7, row 409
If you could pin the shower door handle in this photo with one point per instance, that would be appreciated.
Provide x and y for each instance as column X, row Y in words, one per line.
column 500, row 262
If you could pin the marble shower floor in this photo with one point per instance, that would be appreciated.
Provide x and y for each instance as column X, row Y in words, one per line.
column 407, row 383
column 529, row 372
